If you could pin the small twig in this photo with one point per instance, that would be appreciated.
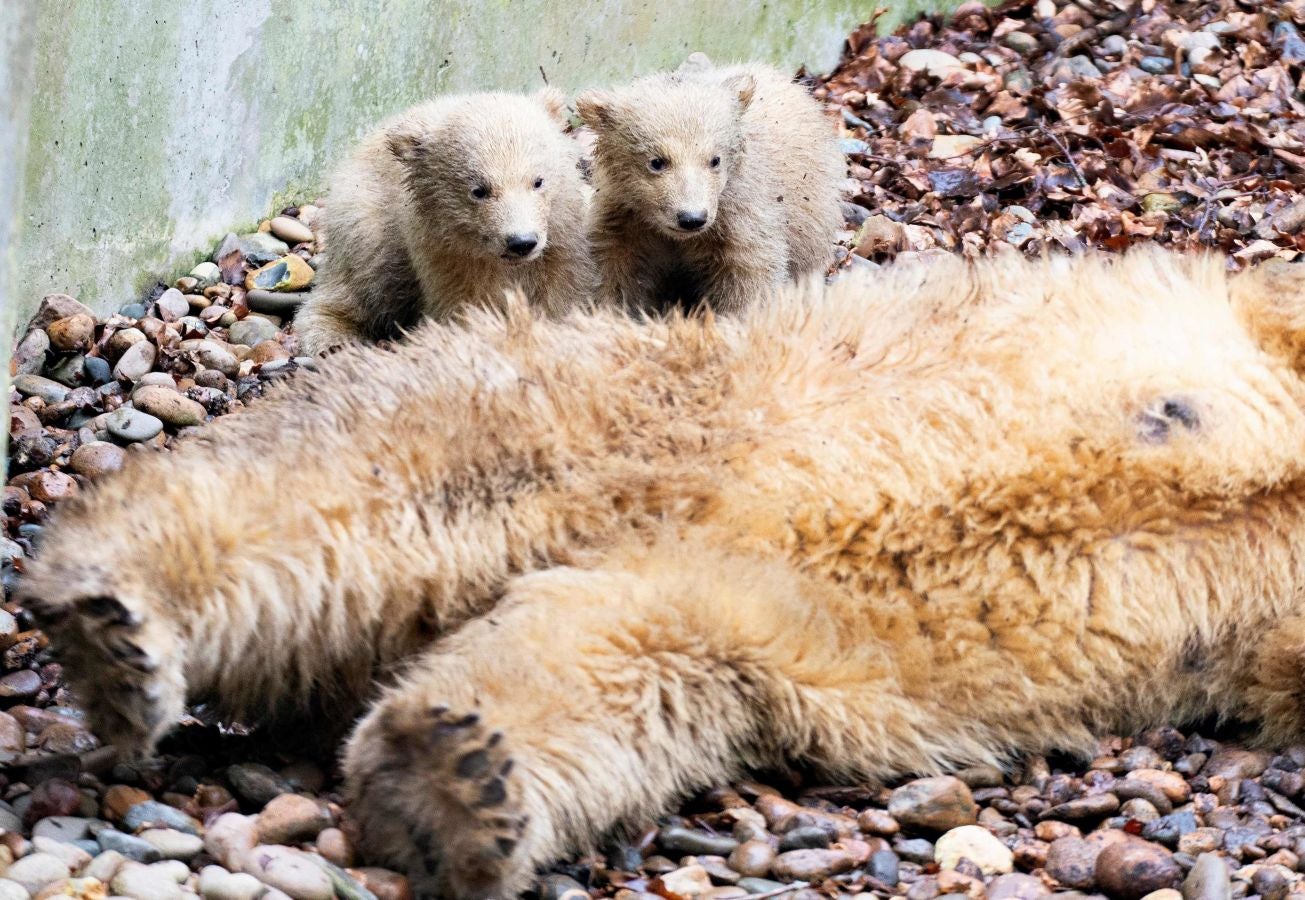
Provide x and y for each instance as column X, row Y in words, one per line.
column 788, row 888
column 1205, row 219
column 1064, row 150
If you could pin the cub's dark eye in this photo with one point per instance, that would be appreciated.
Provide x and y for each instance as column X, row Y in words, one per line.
column 715, row 162
column 539, row 182
column 480, row 192
column 656, row 163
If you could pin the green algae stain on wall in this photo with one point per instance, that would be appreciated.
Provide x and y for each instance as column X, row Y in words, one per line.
column 158, row 125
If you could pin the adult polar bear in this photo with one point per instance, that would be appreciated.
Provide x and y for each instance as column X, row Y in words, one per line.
column 926, row 517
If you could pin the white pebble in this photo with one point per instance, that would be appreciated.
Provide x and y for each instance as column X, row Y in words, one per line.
column 12, row 890
column 230, row 837
column 36, row 871
column 105, row 866
column 74, row 857
column 216, row 883
column 173, row 844
column 289, row 870
column 145, row 883
column 978, row 845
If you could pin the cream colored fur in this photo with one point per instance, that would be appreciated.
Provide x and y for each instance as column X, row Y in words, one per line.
column 407, row 239
column 924, row 518
column 745, row 146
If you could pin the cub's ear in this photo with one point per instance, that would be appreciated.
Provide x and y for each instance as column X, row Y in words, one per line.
column 553, row 101
column 595, row 108
column 745, row 86
column 406, row 145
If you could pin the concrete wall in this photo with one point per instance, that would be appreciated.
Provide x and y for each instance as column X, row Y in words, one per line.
column 17, row 29
column 158, row 125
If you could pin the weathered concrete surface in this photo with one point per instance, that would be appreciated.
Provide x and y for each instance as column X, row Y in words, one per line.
column 17, row 28
column 158, row 125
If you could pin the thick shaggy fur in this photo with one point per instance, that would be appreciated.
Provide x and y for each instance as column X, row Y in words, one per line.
column 924, row 518
column 406, row 238
column 742, row 146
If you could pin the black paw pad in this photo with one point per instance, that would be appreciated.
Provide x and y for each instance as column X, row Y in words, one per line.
column 473, row 764
column 493, row 793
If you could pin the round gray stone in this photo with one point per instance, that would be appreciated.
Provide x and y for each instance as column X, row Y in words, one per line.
column 132, row 425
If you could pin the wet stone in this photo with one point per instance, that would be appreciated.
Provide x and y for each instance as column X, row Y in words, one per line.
column 677, row 839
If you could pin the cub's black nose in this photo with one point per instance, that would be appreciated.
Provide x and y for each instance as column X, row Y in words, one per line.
column 521, row 244
column 692, row 221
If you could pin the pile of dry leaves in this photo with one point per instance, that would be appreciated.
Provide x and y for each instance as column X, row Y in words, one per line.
column 1074, row 124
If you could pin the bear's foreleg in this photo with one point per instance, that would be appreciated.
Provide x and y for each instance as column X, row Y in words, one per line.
column 592, row 698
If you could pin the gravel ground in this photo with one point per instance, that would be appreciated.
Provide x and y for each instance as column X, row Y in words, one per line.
column 1034, row 125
